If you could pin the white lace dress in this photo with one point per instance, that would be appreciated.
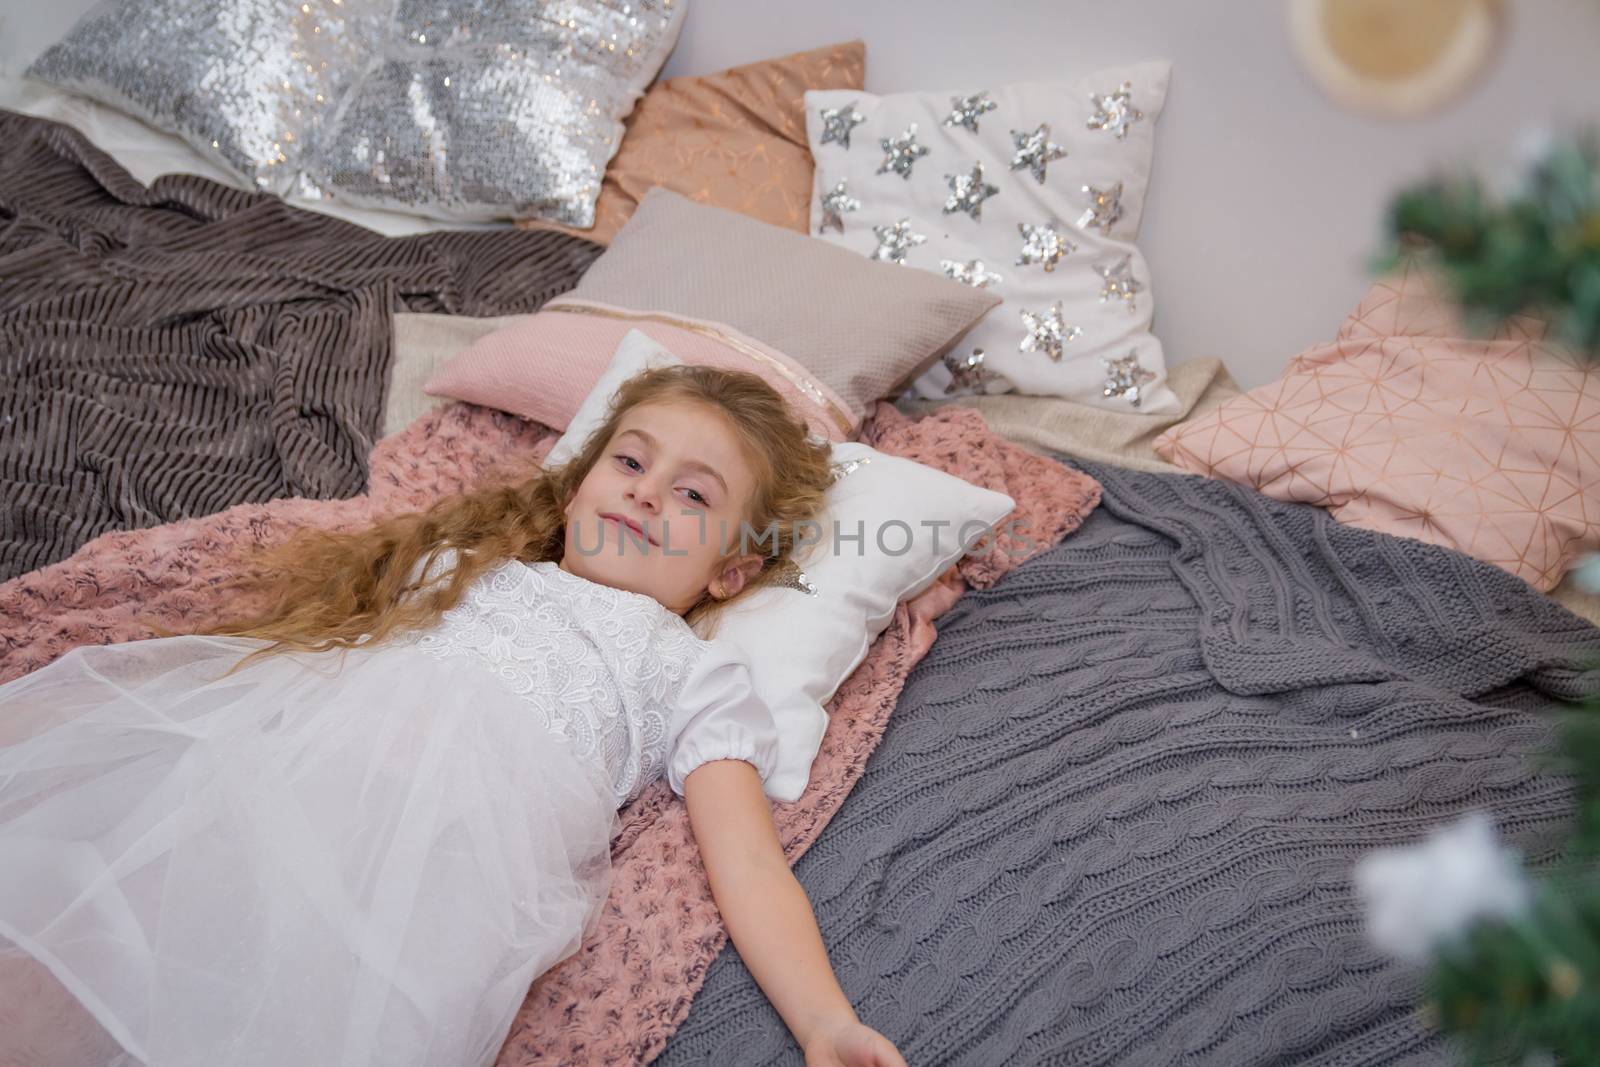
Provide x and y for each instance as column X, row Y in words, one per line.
column 367, row 862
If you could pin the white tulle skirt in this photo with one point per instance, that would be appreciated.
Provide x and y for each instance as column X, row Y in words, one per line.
column 307, row 863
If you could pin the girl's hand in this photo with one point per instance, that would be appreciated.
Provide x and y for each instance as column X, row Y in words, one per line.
column 852, row 1044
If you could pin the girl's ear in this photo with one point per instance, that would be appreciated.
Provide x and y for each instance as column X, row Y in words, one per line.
column 734, row 575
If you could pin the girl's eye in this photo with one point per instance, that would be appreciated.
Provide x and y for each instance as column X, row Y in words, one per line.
column 694, row 494
column 631, row 463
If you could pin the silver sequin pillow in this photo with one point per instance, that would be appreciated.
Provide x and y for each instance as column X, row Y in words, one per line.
column 478, row 111
column 246, row 82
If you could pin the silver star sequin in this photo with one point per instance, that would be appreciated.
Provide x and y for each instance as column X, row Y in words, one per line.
column 895, row 241
column 1105, row 208
column 1034, row 150
column 835, row 205
column 837, row 122
column 969, row 191
column 900, row 152
column 972, row 272
column 788, row 575
column 1042, row 244
column 966, row 110
column 967, row 372
column 1114, row 112
column 846, row 467
column 1047, row 332
column 1118, row 282
column 1125, row 377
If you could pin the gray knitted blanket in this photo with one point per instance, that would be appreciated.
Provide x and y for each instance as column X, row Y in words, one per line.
column 1114, row 816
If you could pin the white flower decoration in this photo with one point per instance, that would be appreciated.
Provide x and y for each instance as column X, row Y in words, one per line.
column 1586, row 575
column 1420, row 896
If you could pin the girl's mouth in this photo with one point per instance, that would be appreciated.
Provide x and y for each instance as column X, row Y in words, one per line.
column 629, row 524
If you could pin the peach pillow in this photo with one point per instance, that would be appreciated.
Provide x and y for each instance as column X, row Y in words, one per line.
column 735, row 140
column 572, row 342
column 1406, row 425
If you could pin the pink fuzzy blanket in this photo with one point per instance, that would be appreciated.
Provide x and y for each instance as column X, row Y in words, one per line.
column 629, row 987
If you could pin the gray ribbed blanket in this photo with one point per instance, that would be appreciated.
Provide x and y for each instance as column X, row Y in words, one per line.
column 172, row 351
column 1114, row 815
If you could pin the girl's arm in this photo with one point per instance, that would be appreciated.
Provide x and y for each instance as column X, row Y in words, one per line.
column 770, row 920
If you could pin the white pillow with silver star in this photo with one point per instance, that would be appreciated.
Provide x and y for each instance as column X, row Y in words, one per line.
column 1033, row 191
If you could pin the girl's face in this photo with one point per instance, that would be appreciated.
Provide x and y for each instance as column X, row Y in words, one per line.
column 656, row 512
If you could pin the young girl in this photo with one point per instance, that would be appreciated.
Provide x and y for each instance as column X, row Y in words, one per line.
column 354, row 828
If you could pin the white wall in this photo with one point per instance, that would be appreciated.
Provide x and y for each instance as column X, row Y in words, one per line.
column 1266, row 201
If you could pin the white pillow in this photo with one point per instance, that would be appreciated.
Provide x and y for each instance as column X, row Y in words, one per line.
column 802, row 645
column 1079, row 329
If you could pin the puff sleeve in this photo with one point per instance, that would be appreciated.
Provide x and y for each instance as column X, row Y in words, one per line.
column 717, row 715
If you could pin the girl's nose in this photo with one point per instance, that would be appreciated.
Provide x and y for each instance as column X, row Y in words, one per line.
column 644, row 494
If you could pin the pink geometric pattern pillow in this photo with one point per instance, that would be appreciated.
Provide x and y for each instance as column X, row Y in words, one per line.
column 1406, row 425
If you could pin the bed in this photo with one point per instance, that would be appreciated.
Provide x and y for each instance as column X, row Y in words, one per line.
column 1114, row 806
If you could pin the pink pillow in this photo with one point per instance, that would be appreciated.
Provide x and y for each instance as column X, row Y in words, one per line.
column 1407, row 426
column 542, row 366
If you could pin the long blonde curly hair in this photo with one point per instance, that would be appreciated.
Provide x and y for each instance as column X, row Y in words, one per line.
column 327, row 590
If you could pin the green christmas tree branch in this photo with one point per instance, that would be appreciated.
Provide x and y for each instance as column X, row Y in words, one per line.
column 1513, row 990
column 1535, row 252
column 1510, row 989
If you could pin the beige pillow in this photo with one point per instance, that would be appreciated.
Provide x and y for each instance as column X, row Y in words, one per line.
column 865, row 329
column 422, row 344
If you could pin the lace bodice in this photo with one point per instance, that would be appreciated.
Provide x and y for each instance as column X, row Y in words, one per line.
column 614, row 673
